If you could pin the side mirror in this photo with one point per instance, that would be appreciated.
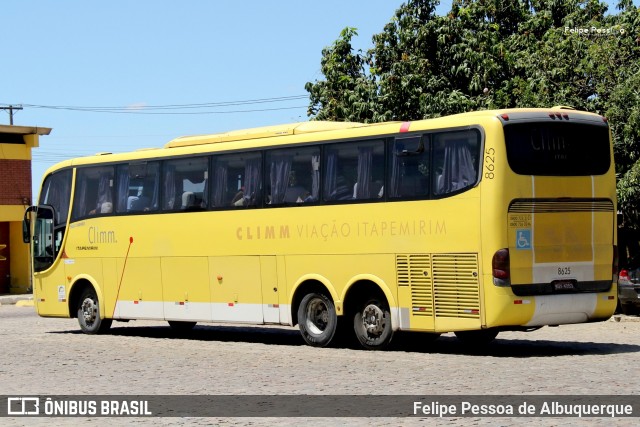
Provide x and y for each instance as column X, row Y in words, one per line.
column 26, row 224
column 26, row 230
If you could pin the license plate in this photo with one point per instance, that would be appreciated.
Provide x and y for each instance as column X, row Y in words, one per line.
column 563, row 285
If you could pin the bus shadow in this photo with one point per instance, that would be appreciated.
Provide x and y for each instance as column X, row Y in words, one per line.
column 253, row 334
column 518, row 348
column 402, row 342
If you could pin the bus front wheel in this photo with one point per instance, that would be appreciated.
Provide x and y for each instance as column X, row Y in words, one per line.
column 89, row 313
column 372, row 324
column 317, row 319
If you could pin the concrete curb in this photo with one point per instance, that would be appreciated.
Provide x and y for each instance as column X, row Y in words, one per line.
column 24, row 300
column 624, row 318
column 25, row 303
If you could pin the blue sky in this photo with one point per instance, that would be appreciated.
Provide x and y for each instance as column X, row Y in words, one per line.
column 132, row 54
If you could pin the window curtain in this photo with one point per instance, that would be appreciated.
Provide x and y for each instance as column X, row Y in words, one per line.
column 80, row 203
column 53, row 198
column 458, row 169
column 279, row 177
column 396, row 165
column 104, row 188
column 170, row 187
column 330, row 174
column 365, row 160
column 205, row 192
column 57, row 195
column 123, row 188
column 252, row 172
column 155, row 202
column 220, row 183
column 315, row 177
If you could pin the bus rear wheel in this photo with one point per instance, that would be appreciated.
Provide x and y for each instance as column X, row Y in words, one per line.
column 89, row 313
column 317, row 319
column 372, row 324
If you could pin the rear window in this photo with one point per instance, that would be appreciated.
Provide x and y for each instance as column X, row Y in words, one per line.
column 560, row 149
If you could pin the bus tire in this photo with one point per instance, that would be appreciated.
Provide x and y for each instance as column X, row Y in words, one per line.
column 317, row 319
column 181, row 326
column 372, row 324
column 89, row 313
column 479, row 337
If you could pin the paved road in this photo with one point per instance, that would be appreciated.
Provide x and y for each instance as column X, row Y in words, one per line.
column 51, row 356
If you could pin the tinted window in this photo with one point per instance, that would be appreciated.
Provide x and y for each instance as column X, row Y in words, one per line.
column 94, row 192
column 185, row 184
column 293, row 175
column 559, row 148
column 455, row 161
column 56, row 192
column 237, row 180
column 138, row 185
column 354, row 171
column 409, row 167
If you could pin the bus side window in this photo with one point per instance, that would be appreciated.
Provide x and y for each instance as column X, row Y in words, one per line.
column 56, row 192
column 94, row 192
column 138, row 187
column 293, row 176
column 185, row 184
column 354, row 171
column 237, row 180
column 456, row 161
column 409, row 167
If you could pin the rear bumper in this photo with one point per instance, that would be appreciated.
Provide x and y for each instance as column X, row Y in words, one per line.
column 552, row 288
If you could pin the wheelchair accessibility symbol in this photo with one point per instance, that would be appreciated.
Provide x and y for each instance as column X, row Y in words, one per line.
column 523, row 239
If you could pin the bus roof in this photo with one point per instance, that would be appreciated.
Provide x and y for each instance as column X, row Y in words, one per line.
column 324, row 126
column 263, row 132
column 305, row 130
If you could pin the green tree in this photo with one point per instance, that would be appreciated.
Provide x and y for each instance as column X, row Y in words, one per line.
column 495, row 54
column 347, row 92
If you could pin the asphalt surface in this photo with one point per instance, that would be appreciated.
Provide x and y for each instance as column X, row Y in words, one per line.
column 52, row 357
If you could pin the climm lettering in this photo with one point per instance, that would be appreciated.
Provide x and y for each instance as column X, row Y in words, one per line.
column 99, row 236
column 546, row 143
column 264, row 232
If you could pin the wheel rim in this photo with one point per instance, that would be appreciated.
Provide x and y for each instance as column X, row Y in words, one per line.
column 317, row 316
column 373, row 320
column 89, row 310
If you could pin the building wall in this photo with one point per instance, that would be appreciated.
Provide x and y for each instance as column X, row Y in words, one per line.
column 15, row 182
column 15, row 196
column 19, row 263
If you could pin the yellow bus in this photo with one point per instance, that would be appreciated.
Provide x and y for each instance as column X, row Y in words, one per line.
column 474, row 223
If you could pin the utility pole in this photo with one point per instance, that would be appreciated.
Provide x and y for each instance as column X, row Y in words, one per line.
column 11, row 108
